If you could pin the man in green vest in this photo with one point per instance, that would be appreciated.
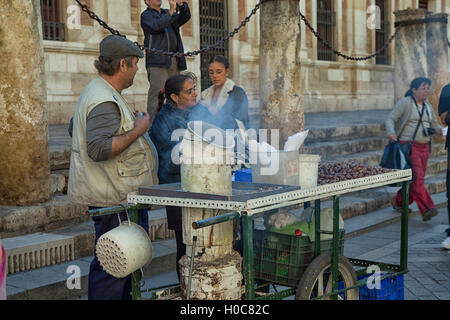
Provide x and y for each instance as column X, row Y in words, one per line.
column 112, row 154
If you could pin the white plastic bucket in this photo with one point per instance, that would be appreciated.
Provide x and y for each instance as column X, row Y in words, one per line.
column 308, row 170
column 124, row 249
column 205, row 144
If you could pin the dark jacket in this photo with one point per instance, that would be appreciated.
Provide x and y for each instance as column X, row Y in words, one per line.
column 236, row 107
column 169, row 119
column 155, row 26
column 444, row 106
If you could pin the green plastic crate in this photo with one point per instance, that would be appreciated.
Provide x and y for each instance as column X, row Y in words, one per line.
column 282, row 259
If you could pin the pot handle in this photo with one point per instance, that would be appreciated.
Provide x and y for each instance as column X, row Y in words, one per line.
column 128, row 216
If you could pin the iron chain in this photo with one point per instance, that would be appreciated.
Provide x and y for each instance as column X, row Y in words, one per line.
column 219, row 43
column 336, row 52
column 244, row 22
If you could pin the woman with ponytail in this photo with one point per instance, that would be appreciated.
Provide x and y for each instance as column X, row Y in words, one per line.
column 413, row 120
column 177, row 104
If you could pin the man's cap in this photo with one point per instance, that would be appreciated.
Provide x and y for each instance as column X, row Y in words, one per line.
column 116, row 47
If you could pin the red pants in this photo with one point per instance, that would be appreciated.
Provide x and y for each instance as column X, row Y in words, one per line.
column 418, row 193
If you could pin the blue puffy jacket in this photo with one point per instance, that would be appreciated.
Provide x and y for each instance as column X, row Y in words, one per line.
column 169, row 119
column 155, row 25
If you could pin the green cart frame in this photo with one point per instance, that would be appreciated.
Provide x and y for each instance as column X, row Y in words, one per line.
column 251, row 209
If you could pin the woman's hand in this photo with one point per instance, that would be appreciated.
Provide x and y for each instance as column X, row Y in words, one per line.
column 393, row 137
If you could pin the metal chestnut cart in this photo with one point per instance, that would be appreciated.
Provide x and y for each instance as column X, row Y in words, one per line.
column 314, row 270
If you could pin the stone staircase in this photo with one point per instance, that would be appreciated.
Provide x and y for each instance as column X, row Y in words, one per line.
column 43, row 241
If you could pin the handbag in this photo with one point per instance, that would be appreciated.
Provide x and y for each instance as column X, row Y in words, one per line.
column 396, row 155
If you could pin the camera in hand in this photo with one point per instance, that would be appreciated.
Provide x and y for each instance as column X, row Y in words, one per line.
column 427, row 132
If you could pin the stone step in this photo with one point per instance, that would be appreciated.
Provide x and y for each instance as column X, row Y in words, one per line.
column 57, row 213
column 59, row 181
column 332, row 149
column 74, row 242
column 344, row 132
column 60, row 146
column 60, row 159
column 436, row 164
column 366, row 201
column 329, row 150
column 438, row 149
column 37, row 250
column 51, row 283
column 382, row 217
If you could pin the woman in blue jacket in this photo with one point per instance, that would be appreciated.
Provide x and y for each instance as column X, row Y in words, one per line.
column 179, row 108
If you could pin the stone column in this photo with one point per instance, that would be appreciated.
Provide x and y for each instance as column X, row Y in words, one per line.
column 437, row 47
column 279, row 68
column 24, row 156
column 410, row 51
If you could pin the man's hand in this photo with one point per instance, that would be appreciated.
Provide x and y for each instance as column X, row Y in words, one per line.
column 142, row 122
column 172, row 6
column 120, row 143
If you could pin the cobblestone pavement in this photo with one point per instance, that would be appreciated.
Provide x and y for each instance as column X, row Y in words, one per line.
column 428, row 262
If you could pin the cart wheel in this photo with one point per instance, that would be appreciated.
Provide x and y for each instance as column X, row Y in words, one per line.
column 317, row 279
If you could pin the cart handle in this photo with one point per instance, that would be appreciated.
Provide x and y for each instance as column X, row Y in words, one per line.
column 215, row 220
column 116, row 209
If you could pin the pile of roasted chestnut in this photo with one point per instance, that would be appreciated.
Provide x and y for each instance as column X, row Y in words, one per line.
column 342, row 171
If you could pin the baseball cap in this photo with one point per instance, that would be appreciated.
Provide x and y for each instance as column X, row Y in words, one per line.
column 115, row 47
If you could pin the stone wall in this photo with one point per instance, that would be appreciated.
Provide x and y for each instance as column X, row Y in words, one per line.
column 326, row 86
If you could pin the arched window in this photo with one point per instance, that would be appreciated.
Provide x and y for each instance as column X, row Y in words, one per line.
column 52, row 27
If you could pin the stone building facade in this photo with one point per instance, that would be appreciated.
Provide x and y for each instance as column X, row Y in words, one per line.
column 329, row 83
